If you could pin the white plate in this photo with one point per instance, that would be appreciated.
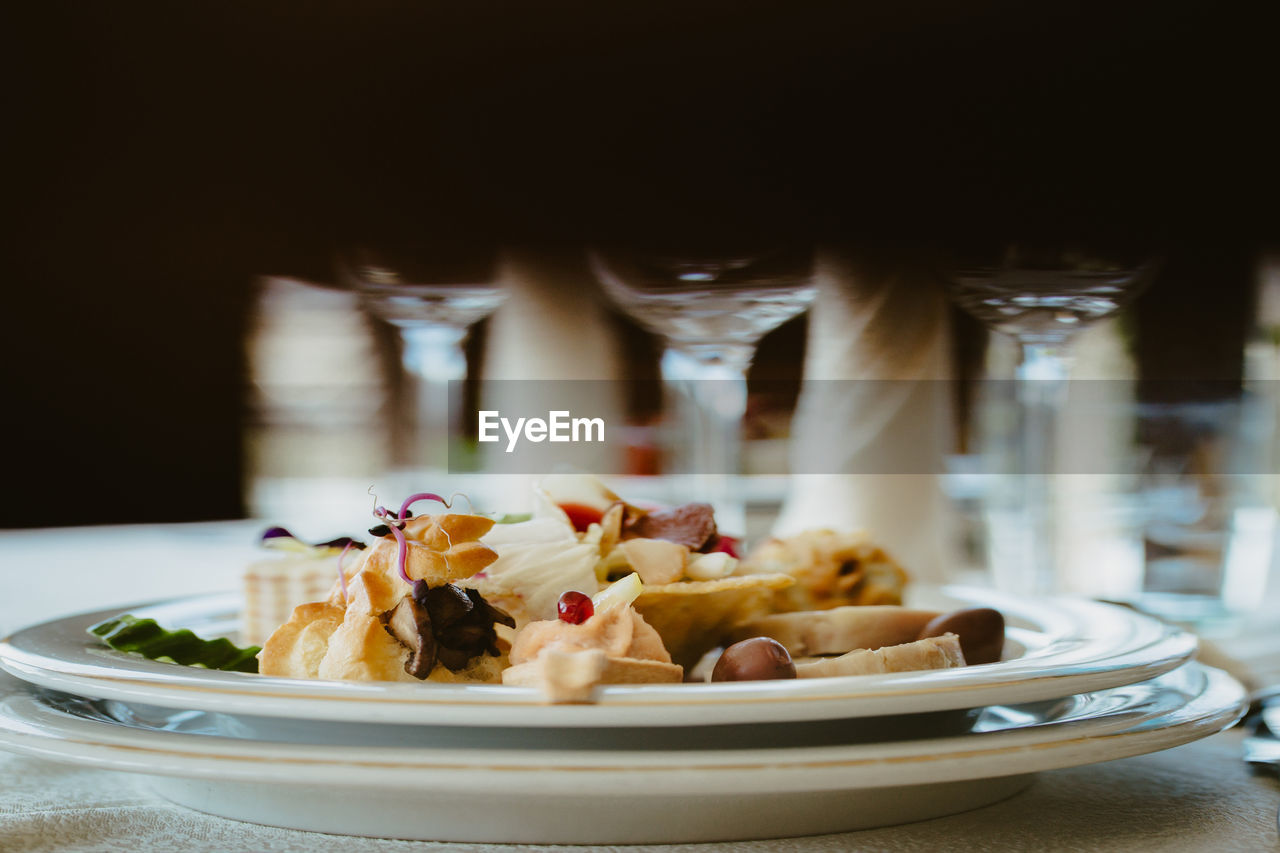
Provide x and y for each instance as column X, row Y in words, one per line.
column 644, row 794
column 1057, row 647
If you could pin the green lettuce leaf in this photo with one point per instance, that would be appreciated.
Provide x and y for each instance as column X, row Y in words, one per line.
column 128, row 633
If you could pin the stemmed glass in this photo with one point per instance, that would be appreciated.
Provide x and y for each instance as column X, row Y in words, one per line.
column 1042, row 296
column 432, row 310
column 711, row 311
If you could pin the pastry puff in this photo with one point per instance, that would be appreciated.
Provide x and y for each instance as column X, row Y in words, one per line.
column 440, row 549
column 344, row 637
column 831, row 569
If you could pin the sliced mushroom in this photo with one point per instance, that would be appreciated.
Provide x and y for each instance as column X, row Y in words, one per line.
column 446, row 604
column 463, row 623
column 409, row 623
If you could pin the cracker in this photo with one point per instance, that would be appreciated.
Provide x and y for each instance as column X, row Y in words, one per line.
column 693, row 617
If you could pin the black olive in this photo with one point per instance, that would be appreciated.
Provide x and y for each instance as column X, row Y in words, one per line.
column 757, row 659
column 980, row 629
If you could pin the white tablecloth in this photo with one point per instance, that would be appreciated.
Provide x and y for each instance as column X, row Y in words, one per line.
column 1197, row 797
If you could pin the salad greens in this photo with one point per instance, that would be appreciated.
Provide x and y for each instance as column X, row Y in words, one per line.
column 128, row 633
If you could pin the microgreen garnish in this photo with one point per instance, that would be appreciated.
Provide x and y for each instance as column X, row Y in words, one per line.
column 393, row 523
column 396, row 528
column 273, row 536
column 342, row 576
column 421, row 496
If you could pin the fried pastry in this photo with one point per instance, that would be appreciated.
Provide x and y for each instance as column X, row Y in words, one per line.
column 357, row 633
column 831, row 569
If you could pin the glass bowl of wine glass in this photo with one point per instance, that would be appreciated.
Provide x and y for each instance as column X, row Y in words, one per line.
column 710, row 309
column 432, row 302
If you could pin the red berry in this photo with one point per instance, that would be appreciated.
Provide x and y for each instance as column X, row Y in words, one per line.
column 574, row 607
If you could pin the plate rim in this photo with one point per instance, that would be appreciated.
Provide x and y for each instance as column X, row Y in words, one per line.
column 32, row 727
column 97, row 673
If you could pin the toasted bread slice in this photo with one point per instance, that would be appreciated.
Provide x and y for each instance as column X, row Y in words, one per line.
column 840, row 629
column 933, row 653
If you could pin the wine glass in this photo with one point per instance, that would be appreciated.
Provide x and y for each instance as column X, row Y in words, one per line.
column 432, row 307
column 1042, row 297
column 710, row 311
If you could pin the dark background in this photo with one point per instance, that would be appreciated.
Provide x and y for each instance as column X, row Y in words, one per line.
column 160, row 155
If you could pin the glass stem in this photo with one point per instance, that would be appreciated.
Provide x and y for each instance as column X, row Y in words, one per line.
column 710, row 384
column 1042, row 386
column 433, row 357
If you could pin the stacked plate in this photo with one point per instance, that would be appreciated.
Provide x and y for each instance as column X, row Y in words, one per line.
column 1081, row 682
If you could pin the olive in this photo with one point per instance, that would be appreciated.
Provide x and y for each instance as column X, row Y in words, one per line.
column 757, row 659
column 980, row 629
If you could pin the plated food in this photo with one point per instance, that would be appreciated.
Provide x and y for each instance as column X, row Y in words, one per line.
column 591, row 590
column 1054, row 648
column 545, row 660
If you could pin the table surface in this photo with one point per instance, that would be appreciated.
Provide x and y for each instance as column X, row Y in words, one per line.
column 1197, row 797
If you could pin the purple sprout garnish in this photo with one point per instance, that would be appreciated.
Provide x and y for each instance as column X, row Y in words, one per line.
column 393, row 523
column 342, row 576
column 396, row 527
column 382, row 529
column 420, row 590
column 420, row 496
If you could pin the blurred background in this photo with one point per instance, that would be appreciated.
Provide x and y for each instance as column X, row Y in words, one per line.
column 186, row 180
